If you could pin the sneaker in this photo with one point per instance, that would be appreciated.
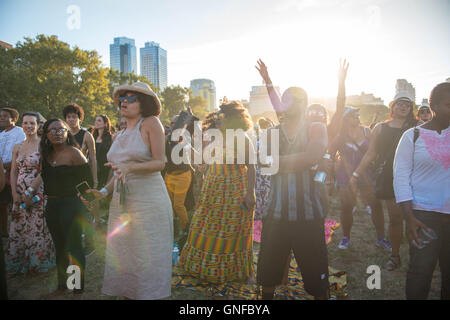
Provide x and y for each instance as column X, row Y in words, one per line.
column 384, row 244
column 344, row 243
column 368, row 210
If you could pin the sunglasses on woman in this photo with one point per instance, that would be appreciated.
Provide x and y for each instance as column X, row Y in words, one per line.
column 404, row 103
column 130, row 99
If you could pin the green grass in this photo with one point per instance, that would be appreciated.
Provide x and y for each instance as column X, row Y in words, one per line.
column 361, row 254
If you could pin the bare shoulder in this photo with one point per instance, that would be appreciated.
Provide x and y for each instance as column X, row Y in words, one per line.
column 152, row 124
column 88, row 137
column 17, row 147
column 77, row 156
column 377, row 129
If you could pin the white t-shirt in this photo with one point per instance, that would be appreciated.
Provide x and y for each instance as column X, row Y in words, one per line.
column 8, row 139
column 421, row 170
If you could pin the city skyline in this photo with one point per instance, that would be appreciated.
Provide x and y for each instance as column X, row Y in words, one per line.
column 300, row 41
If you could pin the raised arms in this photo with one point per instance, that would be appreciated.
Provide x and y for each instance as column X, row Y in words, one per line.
column 273, row 95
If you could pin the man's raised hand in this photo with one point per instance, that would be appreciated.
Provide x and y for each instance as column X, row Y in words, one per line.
column 262, row 69
column 343, row 67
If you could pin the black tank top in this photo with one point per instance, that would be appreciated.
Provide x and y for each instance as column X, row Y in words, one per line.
column 387, row 142
column 60, row 181
column 79, row 137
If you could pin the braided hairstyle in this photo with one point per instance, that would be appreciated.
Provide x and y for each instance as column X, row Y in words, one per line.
column 45, row 146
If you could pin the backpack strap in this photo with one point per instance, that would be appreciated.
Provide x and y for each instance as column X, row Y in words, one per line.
column 416, row 134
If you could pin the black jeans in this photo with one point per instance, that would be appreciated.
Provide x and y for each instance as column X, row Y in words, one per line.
column 422, row 262
column 64, row 218
column 307, row 240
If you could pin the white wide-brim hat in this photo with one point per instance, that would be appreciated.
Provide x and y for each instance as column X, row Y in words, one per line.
column 400, row 96
column 140, row 87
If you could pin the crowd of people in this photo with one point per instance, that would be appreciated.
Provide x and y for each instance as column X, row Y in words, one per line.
column 403, row 161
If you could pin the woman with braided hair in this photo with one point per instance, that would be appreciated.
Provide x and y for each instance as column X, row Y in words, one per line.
column 219, row 244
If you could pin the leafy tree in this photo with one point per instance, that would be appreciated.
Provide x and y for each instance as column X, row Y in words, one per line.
column 199, row 106
column 45, row 74
column 174, row 99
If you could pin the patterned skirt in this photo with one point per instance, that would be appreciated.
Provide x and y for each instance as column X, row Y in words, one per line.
column 262, row 193
column 219, row 244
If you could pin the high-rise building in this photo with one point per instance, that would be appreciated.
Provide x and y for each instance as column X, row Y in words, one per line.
column 206, row 89
column 260, row 100
column 122, row 55
column 154, row 64
column 404, row 86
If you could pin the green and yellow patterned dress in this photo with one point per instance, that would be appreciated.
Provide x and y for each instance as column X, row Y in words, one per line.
column 219, row 245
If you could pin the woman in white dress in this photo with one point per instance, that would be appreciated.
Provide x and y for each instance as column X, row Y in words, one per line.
column 140, row 228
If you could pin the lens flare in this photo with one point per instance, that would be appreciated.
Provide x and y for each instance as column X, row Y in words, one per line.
column 119, row 228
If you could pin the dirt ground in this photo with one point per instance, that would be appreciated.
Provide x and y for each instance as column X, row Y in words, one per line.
column 354, row 261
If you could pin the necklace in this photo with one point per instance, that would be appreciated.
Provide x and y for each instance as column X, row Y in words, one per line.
column 289, row 140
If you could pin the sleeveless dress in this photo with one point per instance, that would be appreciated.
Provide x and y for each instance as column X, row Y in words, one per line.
column 101, row 150
column 262, row 189
column 138, row 262
column 30, row 246
column 386, row 146
column 219, row 247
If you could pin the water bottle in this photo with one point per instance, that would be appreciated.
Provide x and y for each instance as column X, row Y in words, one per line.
column 34, row 200
column 425, row 238
column 322, row 175
column 175, row 254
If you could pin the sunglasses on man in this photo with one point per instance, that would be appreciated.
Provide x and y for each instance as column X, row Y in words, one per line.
column 425, row 110
column 315, row 113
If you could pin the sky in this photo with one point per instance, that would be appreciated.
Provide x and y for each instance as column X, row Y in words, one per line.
column 301, row 41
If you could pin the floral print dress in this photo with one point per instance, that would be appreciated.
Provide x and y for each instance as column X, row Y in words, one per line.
column 30, row 246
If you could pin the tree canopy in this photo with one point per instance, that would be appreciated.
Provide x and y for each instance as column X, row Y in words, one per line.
column 175, row 99
column 45, row 74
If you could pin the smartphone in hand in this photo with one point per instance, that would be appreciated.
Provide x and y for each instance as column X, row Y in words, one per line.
column 82, row 188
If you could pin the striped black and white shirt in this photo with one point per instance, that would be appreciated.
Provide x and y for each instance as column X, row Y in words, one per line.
column 293, row 196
